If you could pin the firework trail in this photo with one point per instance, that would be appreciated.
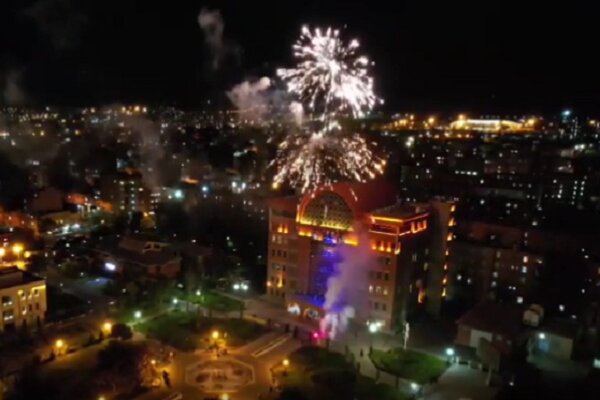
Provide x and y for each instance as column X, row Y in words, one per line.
column 332, row 81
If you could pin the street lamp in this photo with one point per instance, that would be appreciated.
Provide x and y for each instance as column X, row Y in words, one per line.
column 215, row 335
column 450, row 354
column 107, row 327
column 2, row 252
column 286, row 362
column 175, row 301
column 17, row 249
column 542, row 336
column 101, row 398
column 137, row 314
column 414, row 387
column 59, row 345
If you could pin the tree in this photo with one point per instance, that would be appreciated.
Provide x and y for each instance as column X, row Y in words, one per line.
column 124, row 367
column 121, row 331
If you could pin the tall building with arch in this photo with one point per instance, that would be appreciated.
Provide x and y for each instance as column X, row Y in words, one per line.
column 385, row 257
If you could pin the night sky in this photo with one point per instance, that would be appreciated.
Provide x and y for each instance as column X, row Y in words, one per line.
column 488, row 56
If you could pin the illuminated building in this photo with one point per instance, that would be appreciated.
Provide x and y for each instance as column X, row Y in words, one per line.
column 401, row 248
column 125, row 192
column 22, row 299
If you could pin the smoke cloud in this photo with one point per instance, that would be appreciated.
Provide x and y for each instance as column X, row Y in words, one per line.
column 212, row 25
column 13, row 92
column 151, row 151
column 344, row 294
column 251, row 98
column 60, row 21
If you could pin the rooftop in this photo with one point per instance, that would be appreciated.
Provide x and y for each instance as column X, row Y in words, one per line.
column 400, row 210
column 500, row 318
column 13, row 276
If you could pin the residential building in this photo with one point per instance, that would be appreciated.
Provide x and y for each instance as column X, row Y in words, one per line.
column 22, row 299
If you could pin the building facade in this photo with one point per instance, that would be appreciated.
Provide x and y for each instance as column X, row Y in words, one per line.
column 125, row 192
column 388, row 257
column 22, row 299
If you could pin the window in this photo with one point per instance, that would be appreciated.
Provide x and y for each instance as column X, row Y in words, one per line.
column 385, row 291
column 425, row 266
column 378, row 289
column 524, row 269
column 384, row 306
column 388, row 261
column 284, row 254
column 525, row 259
column 376, row 305
column 519, row 300
column 414, row 257
column 386, row 276
column 278, row 253
column 495, row 274
column 37, row 306
column 494, row 283
column 378, row 275
column 6, row 301
column 370, row 288
column 30, row 307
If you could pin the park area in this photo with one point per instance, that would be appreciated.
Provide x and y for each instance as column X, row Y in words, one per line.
column 215, row 301
column 315, row 373
column 411, row 365
column 188, row 331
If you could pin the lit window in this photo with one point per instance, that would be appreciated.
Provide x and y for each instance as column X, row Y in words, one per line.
column 524, row 269
column 519, row 300
column 525, row 259
column 494, row 283
column 385, row 291
column 370, row 288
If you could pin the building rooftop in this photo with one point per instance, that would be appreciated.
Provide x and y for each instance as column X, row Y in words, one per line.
column 400, row 210
column 13, row 276
column 500, row 318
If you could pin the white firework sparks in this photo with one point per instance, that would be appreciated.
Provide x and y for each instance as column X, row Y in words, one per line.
column 308, row 160
column 330, row 75
column 331, row 81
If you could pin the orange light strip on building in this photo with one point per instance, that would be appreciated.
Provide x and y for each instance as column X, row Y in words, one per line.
column 444, row 292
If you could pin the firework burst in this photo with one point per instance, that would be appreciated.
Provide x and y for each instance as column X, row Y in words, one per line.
column 307, row 160
column 332, row 82
column 330, row 76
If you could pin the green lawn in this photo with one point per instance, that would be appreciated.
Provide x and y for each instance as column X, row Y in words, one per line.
column 408, row 364
column 217, row 302
column 315, row 373
column 187, row 331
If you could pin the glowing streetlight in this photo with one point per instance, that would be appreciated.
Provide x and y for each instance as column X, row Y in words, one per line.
column 2, row 252
column 215, row 335
column 107, row 327
column 542, row 336
column 137, row 314
column 450, row 351
column 59, row 345
column 414, row 387
column 286, row 362
column 175, row 301
column 17, row 249
column 224, row 396
column 101, row 398
column 153, row 361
